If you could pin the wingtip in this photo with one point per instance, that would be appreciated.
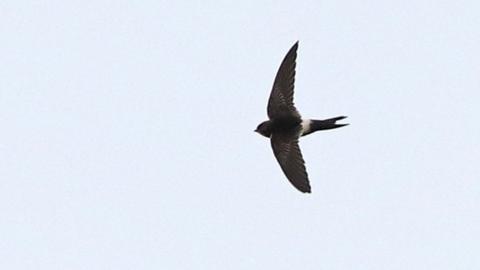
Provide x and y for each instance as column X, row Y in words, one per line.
column 306, row 189
column 293, row 49
column 295, row 45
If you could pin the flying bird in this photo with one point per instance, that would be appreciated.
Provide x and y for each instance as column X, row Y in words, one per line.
column 285, row 125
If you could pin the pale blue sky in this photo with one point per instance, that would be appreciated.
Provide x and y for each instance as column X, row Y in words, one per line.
column 127, row 135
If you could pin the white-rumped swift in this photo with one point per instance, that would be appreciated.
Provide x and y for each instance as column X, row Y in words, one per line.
column 285, row 125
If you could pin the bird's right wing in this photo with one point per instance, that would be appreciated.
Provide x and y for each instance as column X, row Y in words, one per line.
column 280, row 103
column 288, row 154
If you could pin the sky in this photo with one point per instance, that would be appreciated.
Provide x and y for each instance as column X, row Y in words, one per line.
column 127, row 135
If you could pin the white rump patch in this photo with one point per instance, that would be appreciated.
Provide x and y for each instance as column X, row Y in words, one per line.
column 306, row 126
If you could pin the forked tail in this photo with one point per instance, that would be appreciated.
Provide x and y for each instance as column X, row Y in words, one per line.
column 327, row 123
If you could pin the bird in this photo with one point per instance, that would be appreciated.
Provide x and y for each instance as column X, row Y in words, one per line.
column 285, row 125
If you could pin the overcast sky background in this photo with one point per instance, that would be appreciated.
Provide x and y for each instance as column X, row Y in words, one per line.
column 127, row 135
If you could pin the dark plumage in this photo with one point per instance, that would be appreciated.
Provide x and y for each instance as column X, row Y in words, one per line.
column 285, row 125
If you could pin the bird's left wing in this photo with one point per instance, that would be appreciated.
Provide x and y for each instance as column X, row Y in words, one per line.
column 280, row 103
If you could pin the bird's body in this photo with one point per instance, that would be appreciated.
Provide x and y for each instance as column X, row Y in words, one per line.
column 285, row 125
column 305, row 126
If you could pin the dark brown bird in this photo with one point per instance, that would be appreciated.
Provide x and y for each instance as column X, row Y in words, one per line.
column 285, row 125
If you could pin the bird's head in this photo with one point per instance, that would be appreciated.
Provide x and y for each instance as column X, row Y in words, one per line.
column 264, row 129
